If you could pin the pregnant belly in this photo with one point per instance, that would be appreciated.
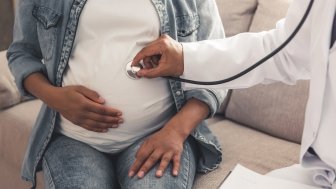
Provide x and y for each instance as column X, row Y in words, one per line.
column 137, row 124
column 146, row 107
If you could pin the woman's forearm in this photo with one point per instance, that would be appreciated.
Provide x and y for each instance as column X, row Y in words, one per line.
column 186, row 120
column 38, row 85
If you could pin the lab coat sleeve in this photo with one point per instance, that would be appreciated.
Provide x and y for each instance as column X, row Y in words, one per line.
column 212, row 60
column 210, row 27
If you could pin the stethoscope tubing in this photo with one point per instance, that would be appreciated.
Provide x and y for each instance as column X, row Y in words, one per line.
column 255, row 65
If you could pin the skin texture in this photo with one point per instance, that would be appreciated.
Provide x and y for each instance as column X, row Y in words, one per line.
column 86, row 108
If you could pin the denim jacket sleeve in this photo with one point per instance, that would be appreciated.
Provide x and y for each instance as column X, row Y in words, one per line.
column 213, row 29
column 211, row 26
column 24, row 54
column 213, row 98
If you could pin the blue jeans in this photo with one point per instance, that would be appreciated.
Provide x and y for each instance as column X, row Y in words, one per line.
column 68, row 163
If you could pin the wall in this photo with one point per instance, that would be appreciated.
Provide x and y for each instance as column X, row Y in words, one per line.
column 6, row 23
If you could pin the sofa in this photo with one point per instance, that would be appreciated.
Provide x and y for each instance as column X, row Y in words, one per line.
column 260, row 127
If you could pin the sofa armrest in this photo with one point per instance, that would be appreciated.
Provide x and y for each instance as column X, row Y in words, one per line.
column 9, row 94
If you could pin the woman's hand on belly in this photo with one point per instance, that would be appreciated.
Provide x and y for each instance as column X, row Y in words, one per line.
column 78, row 104
column 85, row 108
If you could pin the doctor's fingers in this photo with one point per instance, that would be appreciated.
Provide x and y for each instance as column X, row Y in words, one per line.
column 154, row 48
column 165, row 67
column 147, row 61
column 152, row 72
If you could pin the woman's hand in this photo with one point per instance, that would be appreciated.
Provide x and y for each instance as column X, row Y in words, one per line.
column 166, row 145
column 85, row 108
column 78, row 104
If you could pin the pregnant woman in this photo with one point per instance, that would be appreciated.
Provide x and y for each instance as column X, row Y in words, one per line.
column 97, row 127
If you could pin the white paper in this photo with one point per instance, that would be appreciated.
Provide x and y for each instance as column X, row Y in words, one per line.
column 243, row 178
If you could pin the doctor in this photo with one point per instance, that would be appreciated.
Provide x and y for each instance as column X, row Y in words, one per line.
column 310, row 55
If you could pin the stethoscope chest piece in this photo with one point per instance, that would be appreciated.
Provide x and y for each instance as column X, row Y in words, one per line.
column 131, row 71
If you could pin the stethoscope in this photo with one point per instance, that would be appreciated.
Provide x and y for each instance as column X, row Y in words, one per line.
column 132, row 70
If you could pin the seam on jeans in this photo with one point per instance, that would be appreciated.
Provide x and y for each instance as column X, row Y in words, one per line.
column 47, row 173
column 186, row 183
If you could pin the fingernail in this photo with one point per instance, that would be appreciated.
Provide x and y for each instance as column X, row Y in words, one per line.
column 175, row 172
column 114, row 126
column 121, row 121
column 105, row 130
column 139, row 74
column 131, row 174
column 119, row 114
column 101, row 99
column 141, row 174
column 159, row 173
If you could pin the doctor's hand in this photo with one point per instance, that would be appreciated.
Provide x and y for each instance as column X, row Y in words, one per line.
column 162, row 57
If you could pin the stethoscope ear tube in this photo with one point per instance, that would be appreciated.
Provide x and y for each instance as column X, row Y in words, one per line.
column 255, row 65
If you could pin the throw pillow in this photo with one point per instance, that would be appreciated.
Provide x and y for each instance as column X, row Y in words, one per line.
column 265, row 18
column 236, row 15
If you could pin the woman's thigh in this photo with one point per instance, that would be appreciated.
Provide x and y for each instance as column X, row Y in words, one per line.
column 184, row 180
column 68, row 163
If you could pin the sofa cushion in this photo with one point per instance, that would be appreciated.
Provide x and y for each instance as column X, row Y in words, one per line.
column 255, row 150
column 236, row 15
column 9, row 94
column 15, row 126
column 268, row 13
column 276, row 109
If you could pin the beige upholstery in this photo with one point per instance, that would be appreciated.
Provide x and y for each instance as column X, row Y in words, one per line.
column 15, row 126
column 258, row 115
column 9, row 94
column 276, row 109
column 272, row 10
column 255, row 150
column 236, row 19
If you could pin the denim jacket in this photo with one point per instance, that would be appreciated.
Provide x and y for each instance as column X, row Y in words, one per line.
column 44, row 34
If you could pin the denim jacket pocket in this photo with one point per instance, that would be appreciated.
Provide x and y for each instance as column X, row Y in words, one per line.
column 187, row 26
column 47, row 20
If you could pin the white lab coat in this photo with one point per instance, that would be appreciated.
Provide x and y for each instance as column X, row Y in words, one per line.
column 308, row 56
